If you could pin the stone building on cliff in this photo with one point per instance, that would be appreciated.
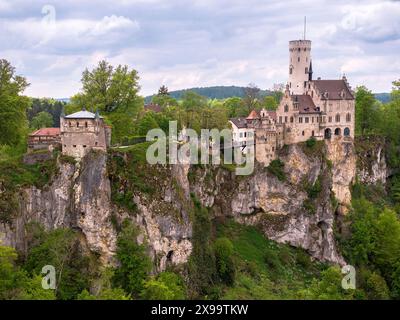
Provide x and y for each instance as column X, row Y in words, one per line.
column 83, row 131
column 322, row 109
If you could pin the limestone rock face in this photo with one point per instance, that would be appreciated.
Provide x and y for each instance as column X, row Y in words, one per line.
column 371, row 161
column 279, row 207
column 78, row 198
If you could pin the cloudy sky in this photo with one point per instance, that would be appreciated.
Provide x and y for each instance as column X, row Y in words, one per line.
column 191, row 43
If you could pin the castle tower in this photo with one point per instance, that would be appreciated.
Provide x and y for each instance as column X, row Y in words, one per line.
column 300, row 67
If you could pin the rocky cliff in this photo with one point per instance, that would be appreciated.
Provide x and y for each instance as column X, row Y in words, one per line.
column 97, row 194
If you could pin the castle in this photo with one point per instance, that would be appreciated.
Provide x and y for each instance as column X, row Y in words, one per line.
column 323, row 109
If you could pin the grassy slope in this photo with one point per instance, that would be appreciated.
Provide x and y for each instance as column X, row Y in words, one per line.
column 265, row 269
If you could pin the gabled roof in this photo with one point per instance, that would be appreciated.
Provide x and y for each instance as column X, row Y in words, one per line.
column 82, row 115
column 239, row 122
column 334, row 89
column 152, row 107
column 272, row 114
column 305, row 103
column 253, row 115
column 46, row 132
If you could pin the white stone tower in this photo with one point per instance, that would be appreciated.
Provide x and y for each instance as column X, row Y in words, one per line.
column 300, row 67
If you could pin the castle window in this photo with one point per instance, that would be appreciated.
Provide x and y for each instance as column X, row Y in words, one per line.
column 298, row 59
column 290, row 70
column 306, row 70
column 84, row 146
column 77, row 124
column 301, row 120
column 291, row 119
column 312, row 119
column 86, row 124
column 280, row 119
column 348, row 117
column 70, row 124
column 312, row 133
column 285, row 119
column 305, row 84
column 306, row 119
column 346, row 132
column 302, row 133
column 286, row 108
column 329, row 119
column 337, row 118
column 74, row 145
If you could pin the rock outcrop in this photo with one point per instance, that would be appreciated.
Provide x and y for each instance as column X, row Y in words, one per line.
column 300, row 209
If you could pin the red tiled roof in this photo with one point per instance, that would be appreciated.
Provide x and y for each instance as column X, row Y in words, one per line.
column 46, row 132
column 152, row 107
column 272, row 114
column 253, row 115
column 333, row 88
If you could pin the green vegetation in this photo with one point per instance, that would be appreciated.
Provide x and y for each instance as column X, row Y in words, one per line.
column 13, row 106
column 374, row 244
column 276, row 167
column 42, row 120
column 134, row 261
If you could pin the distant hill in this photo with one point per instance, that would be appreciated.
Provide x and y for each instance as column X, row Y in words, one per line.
column 223, row 92
column 218, row 92
column 382, row 97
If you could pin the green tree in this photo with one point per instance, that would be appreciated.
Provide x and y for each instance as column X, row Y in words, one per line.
column 42, row 120
column 329, row 287
column 236, row 107
column 367, row 115
column 11, row 279
column 146, row 123
column 134, row 262
column 59, row 248
column 115, row 92
column 13, row 106
column 33, row 290
column 270, row 103
column 193, row 104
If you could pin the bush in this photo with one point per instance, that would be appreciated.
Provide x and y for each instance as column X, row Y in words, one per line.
column 311, row 142
column 223, row 249
column 167, row 286
column 276, row 168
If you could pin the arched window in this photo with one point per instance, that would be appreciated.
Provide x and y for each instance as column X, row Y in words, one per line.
column 337, row 132
column 291, row 119
column 328, row 133
column 286, row 108
column 337, row 118
column 348, row 117
column 347, row 132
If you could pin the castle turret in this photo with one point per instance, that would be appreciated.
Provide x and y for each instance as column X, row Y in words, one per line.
column 300, row 68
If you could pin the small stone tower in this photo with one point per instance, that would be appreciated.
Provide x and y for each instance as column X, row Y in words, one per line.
column 83, row 131
column 300, row 67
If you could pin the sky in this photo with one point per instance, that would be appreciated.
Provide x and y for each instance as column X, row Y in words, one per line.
column 198, row 43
